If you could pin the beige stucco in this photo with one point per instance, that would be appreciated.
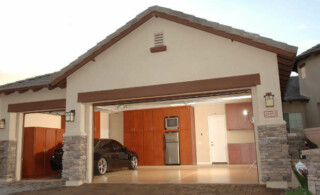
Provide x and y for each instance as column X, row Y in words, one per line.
column 116, row 126
column 104, row 125
column 42, row 120
column 202, row 112
column 295, row 107
column 28, row 96
column 191, row 55
column 309, row 86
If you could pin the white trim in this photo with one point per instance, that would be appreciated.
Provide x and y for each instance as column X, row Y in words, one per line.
column 204, row 163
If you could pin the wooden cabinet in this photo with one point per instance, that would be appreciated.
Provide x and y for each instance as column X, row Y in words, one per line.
column 96, row 119
column 242, row 153
column 144, row 133
column 236, row 120
column 38, row 147
column 148, row 134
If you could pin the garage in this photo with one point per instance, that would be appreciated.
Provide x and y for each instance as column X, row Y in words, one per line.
column 215, row 90
column 214, row 139
column 42, row 134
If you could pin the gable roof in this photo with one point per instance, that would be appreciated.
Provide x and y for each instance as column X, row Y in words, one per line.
column 293, row 91
column 35, row 83
column 285, row 53
column 312, row 51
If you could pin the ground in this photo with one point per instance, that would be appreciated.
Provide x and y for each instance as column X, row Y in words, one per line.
column 167, row 189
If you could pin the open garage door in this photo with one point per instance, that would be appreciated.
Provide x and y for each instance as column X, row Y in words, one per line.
column 43, row 134
column 141, row 127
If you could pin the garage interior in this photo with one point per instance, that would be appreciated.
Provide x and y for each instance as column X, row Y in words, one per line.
column 216, row 141
column 42, row 134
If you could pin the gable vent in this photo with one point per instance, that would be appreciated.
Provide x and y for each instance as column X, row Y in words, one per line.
column 158, row 39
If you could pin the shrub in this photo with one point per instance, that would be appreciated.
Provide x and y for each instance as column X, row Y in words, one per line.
column 298, row 191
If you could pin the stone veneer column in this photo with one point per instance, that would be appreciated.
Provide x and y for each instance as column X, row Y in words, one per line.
column 7, row 160
column 296, row 142
column 273, row 146
column 313, row 164
column 74, row 159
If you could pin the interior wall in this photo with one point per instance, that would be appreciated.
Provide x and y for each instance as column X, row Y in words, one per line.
column 104, row 125
column 116, row 126
column 202, row 111
column 42, row 120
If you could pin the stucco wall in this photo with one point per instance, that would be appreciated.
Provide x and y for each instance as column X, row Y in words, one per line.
column 295, row 107
column 28, row 96
column 104, row 125
column 309, row 87
column 192, row 55
column 202, row 111
column 42, row 120
column 116, row 126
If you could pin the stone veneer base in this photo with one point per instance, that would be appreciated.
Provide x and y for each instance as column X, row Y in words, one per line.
column 296, row 142
column 313, row 164
column 274, row 154
column 8, row 150
column 74, row 159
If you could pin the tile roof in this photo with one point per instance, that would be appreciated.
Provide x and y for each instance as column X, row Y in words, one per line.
column 293, row 91
column 42, row 80
column 313, row 50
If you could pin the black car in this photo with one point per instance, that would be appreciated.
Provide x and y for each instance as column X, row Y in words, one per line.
column 108, row 155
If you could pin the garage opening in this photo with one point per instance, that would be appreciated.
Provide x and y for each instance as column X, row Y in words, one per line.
column 42, row 138
column 194, row 140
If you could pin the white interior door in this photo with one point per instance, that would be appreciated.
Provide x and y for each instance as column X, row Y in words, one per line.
column 217, row 138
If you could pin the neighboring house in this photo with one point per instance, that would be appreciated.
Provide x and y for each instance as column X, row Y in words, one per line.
column 294, row 106
column 161, row 55
column 307, row 64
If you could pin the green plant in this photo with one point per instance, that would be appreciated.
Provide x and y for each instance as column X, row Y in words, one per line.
column 298, row 191
column 302, row 176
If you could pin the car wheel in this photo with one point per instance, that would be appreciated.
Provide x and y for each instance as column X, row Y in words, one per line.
column 133, row 163
column 102, row 166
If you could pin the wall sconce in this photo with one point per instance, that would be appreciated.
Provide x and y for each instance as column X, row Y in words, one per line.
column 269, row 98
column 2, row 123
column 70, row 116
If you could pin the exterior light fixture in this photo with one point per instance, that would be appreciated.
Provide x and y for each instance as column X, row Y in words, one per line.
column 2, row 123
column 70, row 116
column 269, row 98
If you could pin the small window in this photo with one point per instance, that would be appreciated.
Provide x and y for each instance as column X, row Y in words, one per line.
column 294, row 121
column 303, row 73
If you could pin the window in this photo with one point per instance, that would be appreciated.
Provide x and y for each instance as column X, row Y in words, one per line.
column 294, row 121
column 303, row 71
column 116, row 146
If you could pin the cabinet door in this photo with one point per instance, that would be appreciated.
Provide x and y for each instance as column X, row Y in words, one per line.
column 128, row 126
column 184, row 118
column 186, row 154
column 96, row 125
column 158, row 138
column 39, row 152
column 235, row 118
column 158, row 119
column 28, row 156
column 148, row 147
column 138, row 135
column 50, row 144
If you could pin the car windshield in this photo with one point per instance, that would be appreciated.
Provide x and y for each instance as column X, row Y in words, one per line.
column 98, row 142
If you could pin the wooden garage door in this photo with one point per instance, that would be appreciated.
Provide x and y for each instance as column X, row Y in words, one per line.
column 38, row 147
